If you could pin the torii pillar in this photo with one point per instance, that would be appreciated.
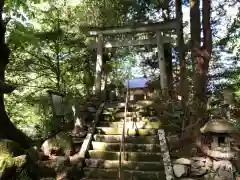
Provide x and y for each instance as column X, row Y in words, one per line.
column 99, row 63
column 162, row 65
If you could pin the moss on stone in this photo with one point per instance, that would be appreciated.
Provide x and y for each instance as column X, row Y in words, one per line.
column 8, row 162
column 11, row 155
column 14, row 163
column 10, row 148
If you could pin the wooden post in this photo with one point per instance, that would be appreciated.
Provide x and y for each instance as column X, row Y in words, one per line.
column 168, row 61
column 99, row 63
column 105, row 79
column 162, row 65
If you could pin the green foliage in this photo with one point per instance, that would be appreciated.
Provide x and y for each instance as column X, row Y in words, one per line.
column 49, row 52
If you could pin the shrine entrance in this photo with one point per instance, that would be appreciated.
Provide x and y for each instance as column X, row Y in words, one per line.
column 150, row 34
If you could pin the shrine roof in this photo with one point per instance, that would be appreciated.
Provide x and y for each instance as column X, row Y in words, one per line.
column 140, row 82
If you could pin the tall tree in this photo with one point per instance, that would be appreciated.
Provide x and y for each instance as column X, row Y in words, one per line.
column 181, row 55
column 202, row 68
column 195, row 28
column 201, row 57
column 7, row 128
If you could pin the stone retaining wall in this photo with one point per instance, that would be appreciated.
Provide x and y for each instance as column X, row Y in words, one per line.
column 203, row 168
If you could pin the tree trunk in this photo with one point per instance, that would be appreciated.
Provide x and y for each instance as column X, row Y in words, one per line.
column 195, row 33
column 202, row 57
column 202, row 64
column 181, row 56
column 195, row 47
column 207, row 33
column 7, row 129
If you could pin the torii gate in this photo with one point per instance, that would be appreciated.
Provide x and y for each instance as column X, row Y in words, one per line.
column 159, row 40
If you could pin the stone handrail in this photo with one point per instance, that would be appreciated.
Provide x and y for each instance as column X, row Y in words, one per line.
column 165, row 155
column 80, row 156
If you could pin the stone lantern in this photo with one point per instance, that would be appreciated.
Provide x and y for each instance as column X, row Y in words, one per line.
column 57, row 100
column 220, row 130
column 144, row 107
column 220, row 151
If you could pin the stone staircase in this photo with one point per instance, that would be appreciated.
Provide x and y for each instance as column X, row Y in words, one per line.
column 142, row 158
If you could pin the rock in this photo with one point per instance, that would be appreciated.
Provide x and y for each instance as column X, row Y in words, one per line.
column 60, row 168
column 198, row 172
column 12, row 160
column 34, row 154
column 66, row 174
column 225, row 175
column 208, row 163
column 12, row 167
column 198, row 162
column 183, row 161
column 200, row 166
column 222, row 165
column 52, row 167
column 180, row 170
column 209, row 176
column 220, row 175
column 61, row 144
column 8, row 162
column 199, row 159
column 58, row 162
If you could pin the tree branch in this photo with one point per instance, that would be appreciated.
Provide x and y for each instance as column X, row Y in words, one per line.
column 6, row 88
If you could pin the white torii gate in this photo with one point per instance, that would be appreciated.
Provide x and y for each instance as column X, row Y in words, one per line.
column 158, row 28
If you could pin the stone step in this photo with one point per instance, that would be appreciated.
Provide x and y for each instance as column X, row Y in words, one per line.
column 103, row 146
column 130, row 156
column 126, row 174
column 114, row 105
column 122, row 114
column 131, row 132
column 96, row 179
column 130, row 124
column 110, row 118
column 113, row 111
column 141, row 117
column 118, row 116
column 130, row 117
column 144, row 103
column 132, row 165
column 154, row 139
